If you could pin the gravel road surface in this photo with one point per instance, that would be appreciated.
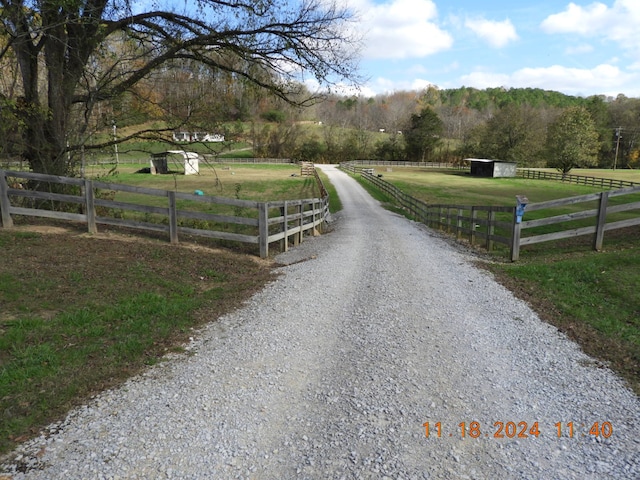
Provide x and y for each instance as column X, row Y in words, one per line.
column 331, row 372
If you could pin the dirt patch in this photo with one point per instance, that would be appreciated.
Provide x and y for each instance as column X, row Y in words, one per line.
column 44, row 229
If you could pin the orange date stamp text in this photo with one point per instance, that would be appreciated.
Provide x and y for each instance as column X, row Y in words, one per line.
column 517, row 430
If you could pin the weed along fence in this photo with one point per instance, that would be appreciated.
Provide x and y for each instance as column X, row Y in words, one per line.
column 175, row 213
column 487, row 226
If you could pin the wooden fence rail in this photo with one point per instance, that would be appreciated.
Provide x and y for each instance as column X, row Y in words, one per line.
column 259, row 223
column 487, row 225
column 598, row 182
column 352, row 165
column 479, row 224
column 601, row 218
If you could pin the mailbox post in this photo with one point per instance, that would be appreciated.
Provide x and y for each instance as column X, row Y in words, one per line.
column 521, row 207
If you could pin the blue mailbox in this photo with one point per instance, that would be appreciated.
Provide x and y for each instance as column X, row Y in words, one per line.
column 521, row 207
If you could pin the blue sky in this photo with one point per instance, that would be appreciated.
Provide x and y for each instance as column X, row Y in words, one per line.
column 578, row 48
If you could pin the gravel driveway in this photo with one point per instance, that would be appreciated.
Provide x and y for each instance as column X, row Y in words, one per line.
column 332, row 371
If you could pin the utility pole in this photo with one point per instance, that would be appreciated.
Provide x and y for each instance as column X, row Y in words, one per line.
column 615, row 160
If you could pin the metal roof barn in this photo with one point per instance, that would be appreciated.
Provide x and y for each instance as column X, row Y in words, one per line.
column 481, row 167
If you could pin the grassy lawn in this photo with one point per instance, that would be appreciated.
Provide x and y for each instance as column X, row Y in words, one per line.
column 245, row 181
column 458, row 187
column 592, row 296
column 618, row 174
column 252, row 182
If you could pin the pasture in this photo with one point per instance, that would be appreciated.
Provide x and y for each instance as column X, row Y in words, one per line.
column 243, row 181
column 591, row 296
column 459, row 187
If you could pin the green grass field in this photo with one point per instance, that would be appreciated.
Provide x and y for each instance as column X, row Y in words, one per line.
column 82, row 313
column 255, row 181
column 458, row 187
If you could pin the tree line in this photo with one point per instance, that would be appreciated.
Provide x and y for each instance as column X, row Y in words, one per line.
column 71, row 71
column 528, row 126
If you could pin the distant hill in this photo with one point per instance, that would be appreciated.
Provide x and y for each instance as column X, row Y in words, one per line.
column 494, row 98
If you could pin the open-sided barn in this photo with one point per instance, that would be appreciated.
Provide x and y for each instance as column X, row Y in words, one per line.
column 481, row 167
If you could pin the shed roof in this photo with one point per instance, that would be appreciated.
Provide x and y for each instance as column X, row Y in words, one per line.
column 486, row 160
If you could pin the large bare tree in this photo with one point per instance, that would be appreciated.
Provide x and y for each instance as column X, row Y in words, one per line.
column 74, row 55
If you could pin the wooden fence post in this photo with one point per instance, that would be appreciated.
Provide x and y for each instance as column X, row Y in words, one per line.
column 173, row 217
column 89, row 206
column 315, row 231
column 491, row 218
column 285, row 226
column 263, row 229
column 5, row 205
column 474, row 218
column 515, row 237
column 298, row 236
column 602, row 221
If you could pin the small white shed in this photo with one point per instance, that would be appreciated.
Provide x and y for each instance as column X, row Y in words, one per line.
column 188, row 162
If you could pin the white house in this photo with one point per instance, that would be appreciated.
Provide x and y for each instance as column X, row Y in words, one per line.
column 183, row 136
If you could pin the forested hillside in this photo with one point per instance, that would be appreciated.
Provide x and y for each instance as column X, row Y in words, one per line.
column 499, row 123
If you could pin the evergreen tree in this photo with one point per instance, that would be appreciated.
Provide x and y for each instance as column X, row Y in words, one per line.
column 423, row 135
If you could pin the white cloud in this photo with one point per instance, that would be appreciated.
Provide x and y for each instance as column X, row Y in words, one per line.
column 602, row 79
column 496, row 34
column 341, row 88
column 383, row 85
column 401, row 29
column 420, row 84
column 577, row 19
column 619, row 23
column 482, row 79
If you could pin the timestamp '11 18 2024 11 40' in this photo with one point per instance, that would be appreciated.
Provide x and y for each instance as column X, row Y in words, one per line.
column 518, row 430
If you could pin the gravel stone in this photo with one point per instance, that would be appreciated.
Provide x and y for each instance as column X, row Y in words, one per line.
column 331, row 371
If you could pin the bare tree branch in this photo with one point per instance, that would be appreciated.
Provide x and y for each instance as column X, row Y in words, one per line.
column 87, row 52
